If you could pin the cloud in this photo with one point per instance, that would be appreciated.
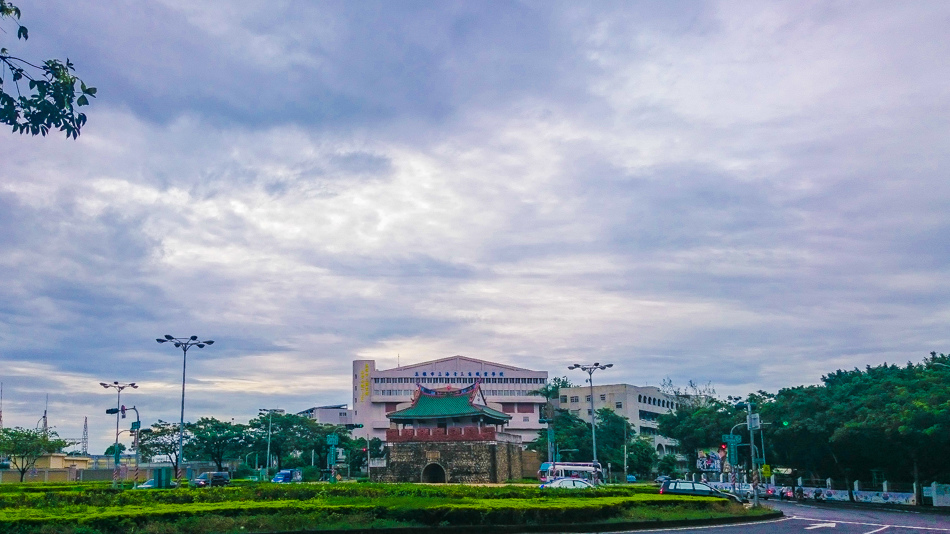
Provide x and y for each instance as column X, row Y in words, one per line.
column 743, row 193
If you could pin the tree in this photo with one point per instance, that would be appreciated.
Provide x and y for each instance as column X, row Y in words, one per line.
column 641, row 456
column 571, row 434
column 613, row 432
column 216, row 440
column 24, row 446
column 162, row 442
column 552, row 387
column 293, row 435
column 667, row 465
column 51, row 101
column 110, row 451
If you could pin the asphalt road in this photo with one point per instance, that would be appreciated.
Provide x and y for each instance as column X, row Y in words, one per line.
column 822, row 518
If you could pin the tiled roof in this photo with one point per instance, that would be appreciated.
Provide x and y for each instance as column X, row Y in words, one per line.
column 445, row 406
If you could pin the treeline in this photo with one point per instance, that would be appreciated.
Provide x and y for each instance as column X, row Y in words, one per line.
column 890, row 421
column 294, row 441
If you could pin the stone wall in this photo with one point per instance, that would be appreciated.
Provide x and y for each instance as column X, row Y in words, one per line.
column 461, row 462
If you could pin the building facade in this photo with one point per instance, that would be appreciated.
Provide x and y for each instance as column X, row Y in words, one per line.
column 378, row 392
column 336, row 414
column 641, row 405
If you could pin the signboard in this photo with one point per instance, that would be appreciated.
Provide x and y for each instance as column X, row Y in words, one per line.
column 364, row 382
column 136, row 425
column 708, row 460
column 333, row 439
column 753, row 421
column 377, row 462
column 732, row 438
column 766, row 470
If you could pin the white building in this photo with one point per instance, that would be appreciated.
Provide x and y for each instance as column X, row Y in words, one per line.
column 336, row 414
column 640, row 404
column 377, row 392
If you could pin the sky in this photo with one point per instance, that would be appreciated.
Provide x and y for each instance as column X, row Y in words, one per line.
column 746, row 194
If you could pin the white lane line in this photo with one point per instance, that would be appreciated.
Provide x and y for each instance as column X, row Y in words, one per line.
column 872, row 524
column 704, row 527
column 878, row 530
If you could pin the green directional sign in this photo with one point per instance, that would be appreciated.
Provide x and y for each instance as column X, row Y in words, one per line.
column 136, row 425
column 732, row 438
column 333, row 439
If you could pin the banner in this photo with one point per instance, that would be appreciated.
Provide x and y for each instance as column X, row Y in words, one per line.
column 709, row 460
column 448, row 393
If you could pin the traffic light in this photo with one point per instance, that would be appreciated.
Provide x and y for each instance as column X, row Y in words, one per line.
column 723, row 446
column 784, row 423
column 123, row 411
column 364, row 449
column 112, row 411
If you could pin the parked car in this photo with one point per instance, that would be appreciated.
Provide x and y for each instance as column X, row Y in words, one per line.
column 286, row 476
column 661, row 479
column 764, row 492
column 568, row 483
column 686, row 487
column 150, row 484
column 631, row 478
column 211, row 479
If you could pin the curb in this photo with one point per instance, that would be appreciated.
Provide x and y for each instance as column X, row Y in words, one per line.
column 574, row 527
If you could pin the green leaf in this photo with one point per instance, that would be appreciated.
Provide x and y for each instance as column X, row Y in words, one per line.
column 82, row 101
column 22, row 33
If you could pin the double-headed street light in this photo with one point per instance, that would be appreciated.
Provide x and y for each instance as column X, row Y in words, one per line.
column 184, row 344
column 589, row 369
column 118, row 407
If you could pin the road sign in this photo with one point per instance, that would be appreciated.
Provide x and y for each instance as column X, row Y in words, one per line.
column 733, row 454
column 732, row 438
column 333, row 439
column 766, row 470
column 136, row 425
column 753, row 421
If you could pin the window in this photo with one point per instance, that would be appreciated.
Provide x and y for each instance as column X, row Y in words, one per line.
column 563, row 397
column 525, row 408
column 508, row 407
column 603, row 397
column 586, row 398
column 574, row 398
column 526, row 419
column 588, row 411
column 618, row 405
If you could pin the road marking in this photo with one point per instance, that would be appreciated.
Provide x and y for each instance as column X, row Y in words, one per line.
column 873, row 524
column 878, row 530
column 704, row 527
column 820, row 525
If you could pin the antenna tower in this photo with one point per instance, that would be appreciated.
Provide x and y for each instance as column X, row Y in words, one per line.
column 85, row 436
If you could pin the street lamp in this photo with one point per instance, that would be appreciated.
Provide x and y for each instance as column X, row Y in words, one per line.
column 118, row 406
column 270, row 418
column 589, row 369
column 184, row 344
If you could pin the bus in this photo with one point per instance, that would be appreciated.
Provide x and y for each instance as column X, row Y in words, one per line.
column 591, row 472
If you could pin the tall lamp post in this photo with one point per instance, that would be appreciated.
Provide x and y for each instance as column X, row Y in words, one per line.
column 118, row 406
column 589, row 369
column 184, row 344
column 270, row 420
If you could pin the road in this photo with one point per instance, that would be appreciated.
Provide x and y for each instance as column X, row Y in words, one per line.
column 821, row 518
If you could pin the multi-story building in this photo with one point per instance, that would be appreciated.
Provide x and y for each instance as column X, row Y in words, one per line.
column 336, row 414
column 508, row 389
column 641, row 405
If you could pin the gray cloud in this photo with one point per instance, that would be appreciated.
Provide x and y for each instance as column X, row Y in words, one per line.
column 748, row 194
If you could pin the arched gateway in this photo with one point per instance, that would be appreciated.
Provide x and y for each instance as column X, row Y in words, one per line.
column 433, row 474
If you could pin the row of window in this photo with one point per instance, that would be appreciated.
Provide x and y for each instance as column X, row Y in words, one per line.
column 453, row 380
column 663, row 403
column 488, row 392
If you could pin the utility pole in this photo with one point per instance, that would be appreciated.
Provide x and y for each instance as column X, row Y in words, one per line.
column 752, row 422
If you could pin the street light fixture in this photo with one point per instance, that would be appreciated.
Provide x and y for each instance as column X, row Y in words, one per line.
column 184, row 344
column 589, row 369
column 118, row 406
